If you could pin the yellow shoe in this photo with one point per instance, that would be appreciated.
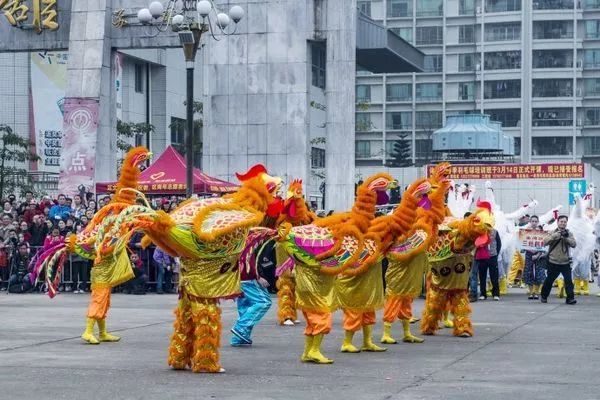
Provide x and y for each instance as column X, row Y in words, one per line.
column 308, row 340
column 561, row 289
column 314, row 354
column 408, row 336
column 88, row 334
column 347, row 346
column 447, row 322
column 585, row 290
column 577, row 286
column 387, row 337
column 503, row 286
column 105, row 336
column 368, row 344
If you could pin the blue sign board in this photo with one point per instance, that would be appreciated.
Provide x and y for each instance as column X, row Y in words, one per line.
column 577, row 188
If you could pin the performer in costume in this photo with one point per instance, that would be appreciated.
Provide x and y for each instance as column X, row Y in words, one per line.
column 408, row 261
column 296, row 213
column 359, row 289
column 106, row 273
column 450, row 259
column 534, row 273
column 208, row 236
column 319, row 252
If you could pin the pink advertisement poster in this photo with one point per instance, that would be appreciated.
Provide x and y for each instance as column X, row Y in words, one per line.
column 78, row 155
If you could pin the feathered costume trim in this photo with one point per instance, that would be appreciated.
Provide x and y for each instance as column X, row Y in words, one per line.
column 130, row 174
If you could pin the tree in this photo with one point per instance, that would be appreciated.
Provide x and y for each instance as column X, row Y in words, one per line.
column 130, row 130
column 15, row 152
column 401, row 155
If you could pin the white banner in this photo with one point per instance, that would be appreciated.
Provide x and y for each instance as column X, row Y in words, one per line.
column 48, row 86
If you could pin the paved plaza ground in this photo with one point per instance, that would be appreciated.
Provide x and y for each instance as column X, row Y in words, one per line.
column 522, row 349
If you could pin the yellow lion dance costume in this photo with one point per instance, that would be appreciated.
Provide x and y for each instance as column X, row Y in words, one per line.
column 450, row 261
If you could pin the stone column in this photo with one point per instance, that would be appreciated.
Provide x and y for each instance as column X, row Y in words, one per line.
column 340, row 91
column 88, row 153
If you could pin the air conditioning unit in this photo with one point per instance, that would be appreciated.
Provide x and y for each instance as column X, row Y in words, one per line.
column 478, row 10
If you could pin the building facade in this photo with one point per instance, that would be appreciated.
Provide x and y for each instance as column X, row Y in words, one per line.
column 532, row 65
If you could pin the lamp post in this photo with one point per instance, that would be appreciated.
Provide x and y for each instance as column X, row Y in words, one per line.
column 190, row 19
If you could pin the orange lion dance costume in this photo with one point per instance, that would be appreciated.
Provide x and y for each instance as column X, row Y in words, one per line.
column 408, row 261
column 208, row 235
column 450, row 262
column 321, row 251
column 359, row 289
column 106, row 272
column 296, row 213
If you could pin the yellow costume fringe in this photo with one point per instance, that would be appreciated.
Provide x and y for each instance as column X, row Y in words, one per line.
column 286, row 298
column 516, row 267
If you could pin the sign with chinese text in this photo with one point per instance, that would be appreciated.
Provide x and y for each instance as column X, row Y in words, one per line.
column 32, row 14
column 532, row 240
column 118, row 76
column 79, row 145
column 514, row 171
column 577, row 188
column 48, row 85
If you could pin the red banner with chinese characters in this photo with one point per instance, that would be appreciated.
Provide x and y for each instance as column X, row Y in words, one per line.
column 515, row 171
column 532, row 240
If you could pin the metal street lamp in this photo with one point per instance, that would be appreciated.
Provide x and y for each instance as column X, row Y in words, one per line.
column 190, row 19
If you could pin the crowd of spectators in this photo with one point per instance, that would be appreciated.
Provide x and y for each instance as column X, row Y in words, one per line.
column 31, row 224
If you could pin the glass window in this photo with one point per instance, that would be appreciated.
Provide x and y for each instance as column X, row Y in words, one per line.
column 466, row 7
column 363, row 149
column 466, row 34
column 404, row 33
column 503, row 60
column 363, row 122
column 591, row 4
column 399, row 92
column 364, row 7
column 429, row 91
column 423, row 148
column 517, row 146
column 553, row 4
column 552, row 117
column 139, row 78
column 467, row 62
column 505, row 89
column 592, row 86
column 426, row 8
column 552, row 88
column 433, row 63
column 552, row 59
column 503, row 31
column 177, row 127
column 399, row 8
column 551, row 146
column 363, row 93
column 592, row 116
column 428, row 120
column 591, row 145
column 592, row 29
column 552, row 29
column 591, row 59
column 466, row 91
column 427, row 35
column 398, row 120
column 319, row 62
column 493, row 6
column 317, row 157
column 509, row 117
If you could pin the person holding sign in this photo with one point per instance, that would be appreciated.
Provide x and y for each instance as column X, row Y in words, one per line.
column 559, row 260
column 534, row 272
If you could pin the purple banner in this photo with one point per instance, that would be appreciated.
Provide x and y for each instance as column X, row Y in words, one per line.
column 80, row 127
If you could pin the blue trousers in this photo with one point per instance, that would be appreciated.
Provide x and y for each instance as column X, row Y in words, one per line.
column 252, row 307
